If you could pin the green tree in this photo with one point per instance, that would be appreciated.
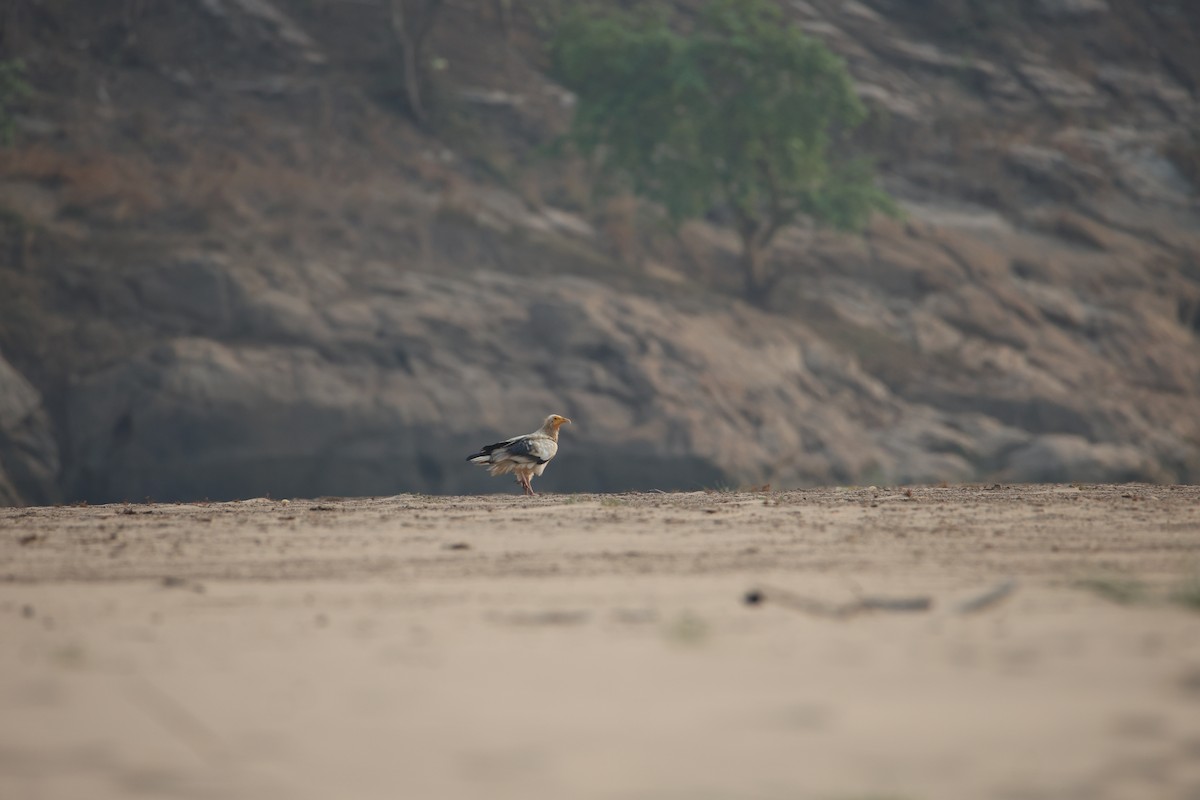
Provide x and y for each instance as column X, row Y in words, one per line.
column 13, row 89
column 742, row 114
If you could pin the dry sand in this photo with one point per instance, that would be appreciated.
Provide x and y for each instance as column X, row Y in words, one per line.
column 602, row 646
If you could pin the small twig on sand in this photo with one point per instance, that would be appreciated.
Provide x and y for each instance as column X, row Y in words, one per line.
column 839, row 610
column 988, row 599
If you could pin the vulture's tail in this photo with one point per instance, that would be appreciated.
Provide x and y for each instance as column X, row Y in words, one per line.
column 484, row 456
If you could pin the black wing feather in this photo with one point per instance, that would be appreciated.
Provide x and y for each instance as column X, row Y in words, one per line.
column 487, row 449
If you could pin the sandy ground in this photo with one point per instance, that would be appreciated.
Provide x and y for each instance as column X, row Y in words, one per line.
column 603, row 646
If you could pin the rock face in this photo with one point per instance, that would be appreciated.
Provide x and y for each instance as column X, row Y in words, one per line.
column 29, row 466
column 287, row 289
column 397, row 388
column 383, row 392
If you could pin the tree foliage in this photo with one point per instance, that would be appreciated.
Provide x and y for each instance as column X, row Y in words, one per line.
column 743, row 113
column 13, row 89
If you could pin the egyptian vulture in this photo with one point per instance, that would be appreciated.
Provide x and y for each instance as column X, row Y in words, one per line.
column 525, row 455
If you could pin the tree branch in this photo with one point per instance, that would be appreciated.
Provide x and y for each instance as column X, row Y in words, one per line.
column 410, row 30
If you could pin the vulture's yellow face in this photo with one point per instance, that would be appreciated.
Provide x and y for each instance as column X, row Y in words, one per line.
column 554, row 422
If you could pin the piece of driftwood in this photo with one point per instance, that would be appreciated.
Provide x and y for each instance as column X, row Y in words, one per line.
column 991, row 597
column 821, row 608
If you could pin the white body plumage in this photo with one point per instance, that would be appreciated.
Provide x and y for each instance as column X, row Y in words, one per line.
column 525, row 456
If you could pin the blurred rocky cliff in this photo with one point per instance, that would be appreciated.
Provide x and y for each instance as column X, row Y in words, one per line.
column 231, row 263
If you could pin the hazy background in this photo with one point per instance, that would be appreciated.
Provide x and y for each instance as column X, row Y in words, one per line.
column 233, row 262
